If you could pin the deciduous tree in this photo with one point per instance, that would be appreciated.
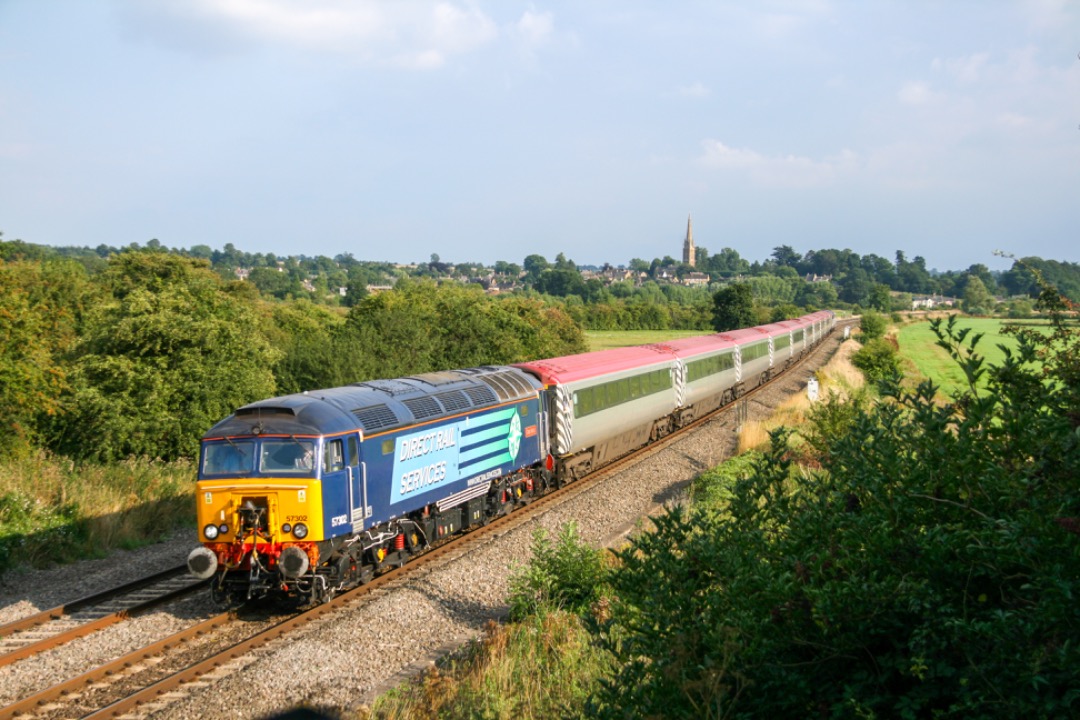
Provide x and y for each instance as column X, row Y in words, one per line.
column 166, row 355
column 733, row 307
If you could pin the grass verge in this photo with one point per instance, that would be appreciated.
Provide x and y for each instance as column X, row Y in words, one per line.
column 837, row 377
column 544, row 666
column 53, row 510
column 607, row 339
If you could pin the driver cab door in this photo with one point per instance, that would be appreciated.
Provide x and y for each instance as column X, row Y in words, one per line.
column 344, row 484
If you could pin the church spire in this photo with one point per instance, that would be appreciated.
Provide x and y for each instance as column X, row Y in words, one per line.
column 688, row 244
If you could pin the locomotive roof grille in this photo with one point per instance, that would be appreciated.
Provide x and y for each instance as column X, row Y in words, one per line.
column 454, row 400
column 506, row 385
column 482, row 395
column 499, row 385
column 375, row 417
column 424, row 407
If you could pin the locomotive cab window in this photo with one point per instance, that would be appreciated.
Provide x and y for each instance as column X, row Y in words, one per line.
column 228, row 458
column 287, row 456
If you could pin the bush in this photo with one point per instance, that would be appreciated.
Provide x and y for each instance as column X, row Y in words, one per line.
column 929, row 569
column 565, row 575
column 35, row 533
column 872, row 324
column 877, row 360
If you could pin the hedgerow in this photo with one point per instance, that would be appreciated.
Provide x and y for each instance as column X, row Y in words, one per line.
column 925, row 563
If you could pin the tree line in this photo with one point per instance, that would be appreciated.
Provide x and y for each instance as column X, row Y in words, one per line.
column 141, row 355
column 812, row 280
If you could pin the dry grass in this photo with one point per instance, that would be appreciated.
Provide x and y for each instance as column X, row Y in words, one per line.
column 544, row 666
column 54, row 510
column 838, row 378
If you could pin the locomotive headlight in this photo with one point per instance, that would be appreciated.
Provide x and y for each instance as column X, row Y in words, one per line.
column 211, row 532
column 300, row 531
column 286, row 529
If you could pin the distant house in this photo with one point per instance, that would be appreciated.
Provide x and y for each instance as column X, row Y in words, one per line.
column 696, row 279
column 929, row 302
column 242, row 273
column 376, row 289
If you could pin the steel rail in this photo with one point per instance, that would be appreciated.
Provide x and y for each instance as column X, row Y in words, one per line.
column 10, row 633
column 92, row 626
column 74, row 606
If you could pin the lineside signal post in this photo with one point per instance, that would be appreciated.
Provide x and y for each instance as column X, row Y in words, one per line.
column 812, row 389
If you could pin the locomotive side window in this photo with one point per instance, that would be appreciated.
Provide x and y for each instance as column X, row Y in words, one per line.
column 354, row 452
column 229, row 458
column 333, row 456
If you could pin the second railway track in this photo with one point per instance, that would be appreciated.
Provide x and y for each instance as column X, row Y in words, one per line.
column 50, row 628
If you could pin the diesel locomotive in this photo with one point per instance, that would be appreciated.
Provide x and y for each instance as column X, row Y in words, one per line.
column 305, row 495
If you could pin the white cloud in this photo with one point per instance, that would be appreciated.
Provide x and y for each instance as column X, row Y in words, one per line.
column 535, row 28
column 696, row 90
column 778, row 171
column 531, row 32
column 915, row 93
column 414, row 33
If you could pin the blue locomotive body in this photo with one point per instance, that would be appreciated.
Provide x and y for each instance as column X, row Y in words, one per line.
column 306, row 493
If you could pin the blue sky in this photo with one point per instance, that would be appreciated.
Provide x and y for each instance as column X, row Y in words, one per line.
column 487, row 131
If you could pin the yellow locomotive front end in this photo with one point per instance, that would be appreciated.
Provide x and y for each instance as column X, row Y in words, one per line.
column 259, row 508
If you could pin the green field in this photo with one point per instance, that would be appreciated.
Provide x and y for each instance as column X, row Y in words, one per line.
column 917, row 344
column 605, row 339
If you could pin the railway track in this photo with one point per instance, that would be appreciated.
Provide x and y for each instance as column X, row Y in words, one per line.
column 62, row 624
column 143, row 681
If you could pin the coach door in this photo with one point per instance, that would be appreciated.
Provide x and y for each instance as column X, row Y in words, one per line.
column 357, row 485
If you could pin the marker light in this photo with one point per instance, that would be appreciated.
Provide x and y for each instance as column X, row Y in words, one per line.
column 286, row 529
